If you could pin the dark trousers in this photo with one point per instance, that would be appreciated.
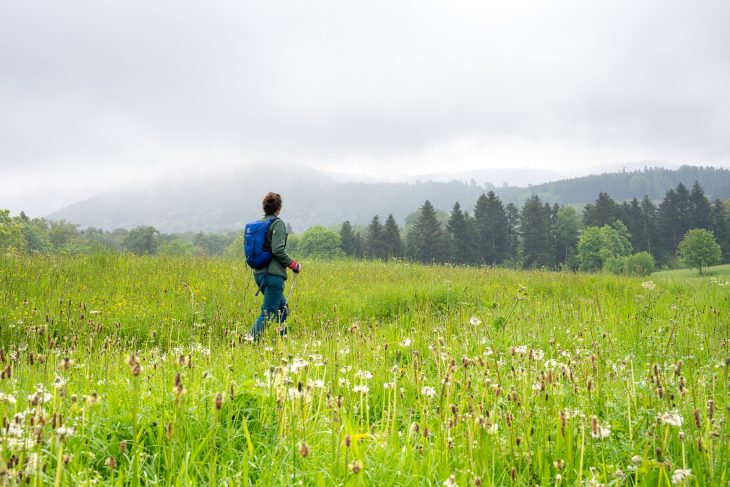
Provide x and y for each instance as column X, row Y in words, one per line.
column 274, row 307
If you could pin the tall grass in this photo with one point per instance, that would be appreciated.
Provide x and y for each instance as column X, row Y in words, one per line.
column 135, row 371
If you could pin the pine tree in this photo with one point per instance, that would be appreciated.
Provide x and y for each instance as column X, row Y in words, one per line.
column 537, row 248
column 348, row 240
column 461, row 243
column 631, row 216
column 604, row 211
column 700, row 209
column 392, row 243
column 374, row 243
column 648, row 230
column 513, row 231
column 491, row 228
column 721, row 228
column 426, row 239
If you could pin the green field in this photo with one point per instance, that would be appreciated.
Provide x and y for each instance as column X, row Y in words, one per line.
column 720, row 273
column 127, row 370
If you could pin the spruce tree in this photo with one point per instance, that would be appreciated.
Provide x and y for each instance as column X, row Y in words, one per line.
column 721, row 228
column 374, row 244
column 604, row 211
column 491, row 227
column 537, row 248
column 648, row 230
column 460, row 241
column 700, row 209
column 348, row 240
column 392, row 243
column 631, row 216
column 426, row 239
column 513, row 231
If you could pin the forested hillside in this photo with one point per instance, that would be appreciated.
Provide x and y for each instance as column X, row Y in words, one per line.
column 311, row 198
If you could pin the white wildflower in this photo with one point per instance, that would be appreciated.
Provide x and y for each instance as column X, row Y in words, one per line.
column 538, row 354
column 388, row 385
column 361, row 388
column 680, row 476
column 603, row 432
column 428, row 391
column 450, row 482
column 63, row 432
column 536, row 386
column 317, row 384
column 474, row 321
column 671, row 418
column 363, row 374
column 406, row 343
column 8, row 398
column 343, row 382
column 648, row 285
column 522, row 349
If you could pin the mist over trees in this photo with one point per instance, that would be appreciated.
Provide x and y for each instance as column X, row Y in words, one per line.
column 633, row 236
column 219, row 204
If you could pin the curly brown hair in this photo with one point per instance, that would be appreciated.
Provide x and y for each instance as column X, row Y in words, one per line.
column 271, row 203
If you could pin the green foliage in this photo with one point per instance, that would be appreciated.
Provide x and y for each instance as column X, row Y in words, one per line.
column 348, row 240
column 699, row 249
column 319, row 242
column 426, row 239
column 639, row 264
column 11, row 233
column 143, row 240
column 597, row 246
column 538, row 248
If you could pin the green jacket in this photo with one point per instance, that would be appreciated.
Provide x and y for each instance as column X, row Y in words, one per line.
column 277, row 236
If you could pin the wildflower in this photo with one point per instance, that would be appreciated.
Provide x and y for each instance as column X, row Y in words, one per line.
column 450, row 482
column 636, row 459
column 538, row 354
column 63, row 432
column 474, row 321
column 355, row 467
column 363, row 374
column 597, row 430
column 111, row 463
column 92, row 399
column 8, row 398
column 428, row 391
column 388, row 385
column 648, row 285
column 681, row 475
column 671, row 418
column 537, row 386
column 317, row 384
column 59, row 382
column 362, row 389
column 406, row 343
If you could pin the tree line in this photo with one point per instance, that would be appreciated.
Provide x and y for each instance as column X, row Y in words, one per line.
column 604, row 234
column 631, row 236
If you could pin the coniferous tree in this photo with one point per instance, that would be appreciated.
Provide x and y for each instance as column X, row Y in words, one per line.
column 513, row 231
column 604, row 211
column 426, row 240
column 348, row 240
column 374, row 242
column 461, row 244
column 631, row 216
column 700, row 209
column 537, row 248
column 393, row 245
column 648, row 232
column 721, row 228
column 491, row 228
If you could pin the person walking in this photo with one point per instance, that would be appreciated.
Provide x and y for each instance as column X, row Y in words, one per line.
column 270, row 279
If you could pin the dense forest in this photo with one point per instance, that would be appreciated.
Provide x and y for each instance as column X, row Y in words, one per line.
column 606, row 234
column 219, row 204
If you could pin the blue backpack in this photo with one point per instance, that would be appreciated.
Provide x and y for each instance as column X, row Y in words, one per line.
column 256, row 245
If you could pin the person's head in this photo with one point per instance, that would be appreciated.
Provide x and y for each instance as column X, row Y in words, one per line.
column 272, row 203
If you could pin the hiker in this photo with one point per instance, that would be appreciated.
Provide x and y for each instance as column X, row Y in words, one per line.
column 270, row 278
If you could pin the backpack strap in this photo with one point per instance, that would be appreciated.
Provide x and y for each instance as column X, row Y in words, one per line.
column 268, row 240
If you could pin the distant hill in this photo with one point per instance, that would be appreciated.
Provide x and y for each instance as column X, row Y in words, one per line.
column 313, row 198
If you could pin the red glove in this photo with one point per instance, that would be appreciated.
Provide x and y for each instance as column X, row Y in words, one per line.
column 294, row 266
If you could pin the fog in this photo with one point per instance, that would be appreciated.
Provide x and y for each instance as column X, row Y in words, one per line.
column 99, row 95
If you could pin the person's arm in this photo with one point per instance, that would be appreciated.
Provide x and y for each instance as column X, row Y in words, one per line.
column 278, row 245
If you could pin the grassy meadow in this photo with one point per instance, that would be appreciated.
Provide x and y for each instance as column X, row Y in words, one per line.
column 122, row 370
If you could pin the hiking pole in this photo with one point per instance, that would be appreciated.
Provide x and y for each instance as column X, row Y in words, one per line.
column 291, row 288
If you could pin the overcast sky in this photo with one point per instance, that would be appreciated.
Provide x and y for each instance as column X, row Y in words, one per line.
column 98, row 94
